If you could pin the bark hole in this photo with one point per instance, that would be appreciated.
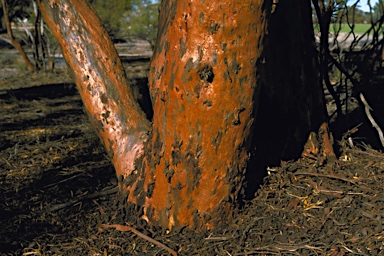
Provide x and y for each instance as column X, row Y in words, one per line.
column 206, row 73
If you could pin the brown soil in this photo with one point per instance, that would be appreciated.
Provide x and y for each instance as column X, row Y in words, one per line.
column 58, row 191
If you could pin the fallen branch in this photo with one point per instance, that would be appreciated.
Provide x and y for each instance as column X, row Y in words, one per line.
column 124, row 228
column 373, row 122
column 325, row 176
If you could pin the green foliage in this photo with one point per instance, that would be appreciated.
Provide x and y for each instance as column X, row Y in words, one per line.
column 378, row 10
column 355, row 15
column 112, row 14
column 142, row 20
column 347, row 11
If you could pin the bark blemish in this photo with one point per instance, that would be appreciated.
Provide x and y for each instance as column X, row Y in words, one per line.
column 105, row 116
column 206, row 73
column 213, row 28
column 227, row 76
column 243, row 81
column 150, row 189
column 207, row 103
column 223, row 46
column 138, row 187
column 192, row 164
column 214, row 57
column 103, row 98
column 217, row 139
column 201, row 17
column 177, row 143
column 176, row 157
column 189, row 65
column 197, row 90
column 169, row 174
column 183, row 48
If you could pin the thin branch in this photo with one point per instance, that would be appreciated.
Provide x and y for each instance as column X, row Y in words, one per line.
column 373, row 122
column 342, row 70
column 124, row 228
column 12, row 39
column 325, row 176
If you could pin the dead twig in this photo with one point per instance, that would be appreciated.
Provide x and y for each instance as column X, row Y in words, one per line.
column 367, row 109
column 326, row 176
column 124, row 228
column 358, row 151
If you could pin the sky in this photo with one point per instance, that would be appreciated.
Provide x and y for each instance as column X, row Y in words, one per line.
column 364, row 6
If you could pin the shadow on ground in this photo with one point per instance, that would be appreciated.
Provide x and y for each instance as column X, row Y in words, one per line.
column 58, row 189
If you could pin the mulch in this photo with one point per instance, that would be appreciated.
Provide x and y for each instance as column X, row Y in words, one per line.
column 58, row 192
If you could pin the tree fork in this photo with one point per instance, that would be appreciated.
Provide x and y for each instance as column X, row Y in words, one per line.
column 203, row 85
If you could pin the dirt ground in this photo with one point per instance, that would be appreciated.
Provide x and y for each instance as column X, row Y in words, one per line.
column 58, row 190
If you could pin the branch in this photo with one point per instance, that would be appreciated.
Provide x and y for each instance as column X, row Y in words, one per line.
column 124, row 228
column 12, row 39
column 325, row 176
column 100, row 78
column 373, row 122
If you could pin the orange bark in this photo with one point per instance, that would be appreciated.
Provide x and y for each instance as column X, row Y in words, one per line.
column 203, row 87
column 100, row 79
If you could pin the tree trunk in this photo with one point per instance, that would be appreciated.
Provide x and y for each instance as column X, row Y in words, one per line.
column 187, row 167
column 13, row 40
column 100, row 79
column 291, row 100
column 203, row 89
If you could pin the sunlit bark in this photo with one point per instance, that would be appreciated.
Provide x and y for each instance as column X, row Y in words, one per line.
column 100, row 79
column 187, row 167
column 203, row 87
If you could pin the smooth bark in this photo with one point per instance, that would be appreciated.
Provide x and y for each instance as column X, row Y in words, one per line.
column 100, row 78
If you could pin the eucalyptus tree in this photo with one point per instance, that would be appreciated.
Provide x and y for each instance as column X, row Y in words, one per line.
column 227, row 79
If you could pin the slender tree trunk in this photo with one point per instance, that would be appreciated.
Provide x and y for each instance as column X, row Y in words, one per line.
column 13, row 40
column 100, row 79
column 324, row 12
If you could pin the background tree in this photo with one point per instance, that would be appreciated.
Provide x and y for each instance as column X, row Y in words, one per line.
column 378, row 10
column 142, row 20
column 112, row 15
column 8, row 15
column 33, row 45
column 208, row 72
